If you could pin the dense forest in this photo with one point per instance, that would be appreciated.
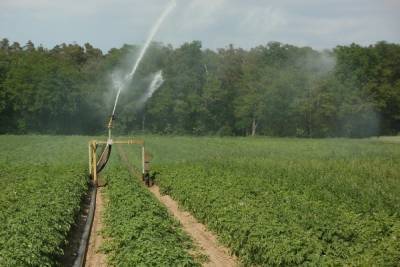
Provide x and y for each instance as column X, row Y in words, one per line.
column 274, row 89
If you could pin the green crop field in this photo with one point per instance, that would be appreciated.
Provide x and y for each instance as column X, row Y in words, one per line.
column 272, row 201
column 139, row 230
column 290, row 201
column 259, row 143
column 42, row 180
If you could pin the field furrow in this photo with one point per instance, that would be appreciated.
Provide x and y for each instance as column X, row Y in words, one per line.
column 289, row 202
column 138, row 229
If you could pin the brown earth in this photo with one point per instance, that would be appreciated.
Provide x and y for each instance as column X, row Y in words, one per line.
column 217, row 254
column 94, row 258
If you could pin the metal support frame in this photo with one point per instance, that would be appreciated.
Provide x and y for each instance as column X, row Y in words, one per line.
column 93, row 156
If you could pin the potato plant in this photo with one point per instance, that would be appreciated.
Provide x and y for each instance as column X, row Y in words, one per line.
column 274, row 202
column 284, row 202
column 139, row 231
column 42, row 181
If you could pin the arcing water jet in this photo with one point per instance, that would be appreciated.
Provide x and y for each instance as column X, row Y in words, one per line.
column 156, row 82
column 118, row 84
column 153, row 32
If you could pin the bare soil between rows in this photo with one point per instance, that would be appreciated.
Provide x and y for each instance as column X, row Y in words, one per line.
column 217, row 254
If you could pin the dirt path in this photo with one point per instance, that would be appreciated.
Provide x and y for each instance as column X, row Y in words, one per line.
column 93, row 257
column 217, row 254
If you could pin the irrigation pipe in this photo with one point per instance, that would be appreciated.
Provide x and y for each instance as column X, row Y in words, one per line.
column 83, row 244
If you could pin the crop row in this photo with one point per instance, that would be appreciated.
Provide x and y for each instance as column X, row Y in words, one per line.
column 269, row 224
column 285, row 202
column 139, row 231
column 42, row 181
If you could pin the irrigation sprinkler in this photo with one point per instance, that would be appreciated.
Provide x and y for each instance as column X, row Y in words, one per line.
column 100, row 152
column 97, row 163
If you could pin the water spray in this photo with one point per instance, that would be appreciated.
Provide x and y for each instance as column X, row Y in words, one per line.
column 153, row 32
column 96, row 165
column 120, row 82
column 155, row 83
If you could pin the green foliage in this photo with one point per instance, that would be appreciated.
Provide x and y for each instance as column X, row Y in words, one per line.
column 139, row 230
column 43, row 180
column 274, row 89
column 274, row 202
column 285, row 202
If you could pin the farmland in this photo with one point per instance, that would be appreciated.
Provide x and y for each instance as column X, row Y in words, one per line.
column 272, row 201
column 139, row 229
column 271, row 139
column 42, row 181
column 289, row 201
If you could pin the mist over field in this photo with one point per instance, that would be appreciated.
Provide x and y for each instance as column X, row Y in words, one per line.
column 274, row 89
column 199, row 133
column 276, row 68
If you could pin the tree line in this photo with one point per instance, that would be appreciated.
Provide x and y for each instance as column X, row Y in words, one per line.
column 274, row 89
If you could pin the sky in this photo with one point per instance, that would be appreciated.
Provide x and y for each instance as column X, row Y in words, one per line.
column 321, row 24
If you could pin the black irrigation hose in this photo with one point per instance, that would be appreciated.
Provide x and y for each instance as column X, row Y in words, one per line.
column 102, row 162
column 83, row 244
